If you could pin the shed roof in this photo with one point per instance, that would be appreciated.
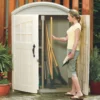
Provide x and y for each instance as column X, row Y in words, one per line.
column 42, row 8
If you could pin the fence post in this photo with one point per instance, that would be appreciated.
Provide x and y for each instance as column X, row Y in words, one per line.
column 11, row 4
column 57, row 1
column 2, row 20
column 39, row 0
column 66, row 3
column 30, row 1
column 21, row 2
column 75, row 4
column 87, row 9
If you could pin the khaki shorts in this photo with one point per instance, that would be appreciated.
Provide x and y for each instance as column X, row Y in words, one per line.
column 72, row 63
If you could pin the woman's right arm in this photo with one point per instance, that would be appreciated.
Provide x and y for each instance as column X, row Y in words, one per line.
column 62, row 39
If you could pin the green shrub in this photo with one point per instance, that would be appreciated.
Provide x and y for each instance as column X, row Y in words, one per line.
column 5, row 63
column 95, row 65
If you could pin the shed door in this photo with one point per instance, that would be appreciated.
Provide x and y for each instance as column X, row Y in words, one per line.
column 84, row 58
column 25, row 63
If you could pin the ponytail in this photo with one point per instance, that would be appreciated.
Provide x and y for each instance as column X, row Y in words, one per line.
column 78, row 18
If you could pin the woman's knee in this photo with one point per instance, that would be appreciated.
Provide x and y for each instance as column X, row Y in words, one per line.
column 74, row 74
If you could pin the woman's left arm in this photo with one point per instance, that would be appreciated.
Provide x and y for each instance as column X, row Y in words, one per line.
column 76, row 41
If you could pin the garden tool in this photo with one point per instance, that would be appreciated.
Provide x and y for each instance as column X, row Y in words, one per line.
column 66, row 60
column 51, row 85
column 55, row 61
column 49, row 56
column 51, row 61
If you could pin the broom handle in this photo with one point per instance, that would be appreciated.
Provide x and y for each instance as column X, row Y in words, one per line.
column 51, row 30
column 49, row 54
column 51, row 49
column 51, row 45
column 52, row 41
column 48, row 49
column 53, row 53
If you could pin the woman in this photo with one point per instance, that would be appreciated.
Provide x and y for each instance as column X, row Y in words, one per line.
column 73, row 47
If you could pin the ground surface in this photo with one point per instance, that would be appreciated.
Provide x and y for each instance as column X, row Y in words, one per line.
column 53, row 96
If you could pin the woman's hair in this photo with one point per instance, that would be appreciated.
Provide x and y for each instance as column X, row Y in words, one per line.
column 75, row 13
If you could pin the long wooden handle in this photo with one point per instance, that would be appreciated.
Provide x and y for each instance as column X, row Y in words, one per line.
column 49, row 55
column 48, row 40
column 51, row 28
column 53, row 55
column 51, row 42
column 51, row 61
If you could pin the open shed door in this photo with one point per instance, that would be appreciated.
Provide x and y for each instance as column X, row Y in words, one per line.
column 84, row 58
column 25, row 53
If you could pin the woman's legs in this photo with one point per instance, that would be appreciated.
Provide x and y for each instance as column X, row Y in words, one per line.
column 73, row 90
column 76, row 90
column 77, row 86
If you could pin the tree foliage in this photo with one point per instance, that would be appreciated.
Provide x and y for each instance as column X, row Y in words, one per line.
column 96, row 18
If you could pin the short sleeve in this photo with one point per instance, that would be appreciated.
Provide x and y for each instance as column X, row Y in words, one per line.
column 77, row 26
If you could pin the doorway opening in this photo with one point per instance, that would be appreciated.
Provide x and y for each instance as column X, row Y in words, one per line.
column 51, row 53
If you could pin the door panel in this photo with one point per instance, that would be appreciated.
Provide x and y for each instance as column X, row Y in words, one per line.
column 25, row 65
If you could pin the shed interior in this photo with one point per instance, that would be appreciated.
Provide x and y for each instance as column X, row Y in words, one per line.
column 53, row 25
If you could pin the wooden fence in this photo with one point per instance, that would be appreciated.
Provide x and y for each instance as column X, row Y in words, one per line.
column 7, row 6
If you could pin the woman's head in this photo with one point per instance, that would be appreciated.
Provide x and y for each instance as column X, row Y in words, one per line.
column 73, row 15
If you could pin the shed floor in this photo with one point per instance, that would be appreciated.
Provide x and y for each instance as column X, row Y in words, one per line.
column 57, row 89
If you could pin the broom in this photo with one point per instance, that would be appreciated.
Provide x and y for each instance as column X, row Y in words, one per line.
column 55, row 61
column 49, row 61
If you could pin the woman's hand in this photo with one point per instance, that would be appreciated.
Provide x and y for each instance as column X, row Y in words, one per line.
column 68, row 57
column 71, row 55
column 53, row 37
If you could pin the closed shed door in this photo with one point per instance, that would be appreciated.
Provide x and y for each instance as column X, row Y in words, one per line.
column 25, row 53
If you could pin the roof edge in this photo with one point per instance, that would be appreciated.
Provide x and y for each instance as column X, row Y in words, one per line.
column 34, row 4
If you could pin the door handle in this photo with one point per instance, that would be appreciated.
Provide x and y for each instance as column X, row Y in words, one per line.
column 33, row 50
